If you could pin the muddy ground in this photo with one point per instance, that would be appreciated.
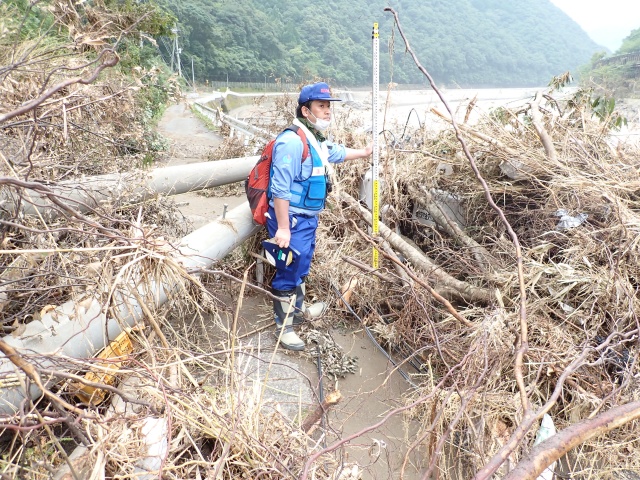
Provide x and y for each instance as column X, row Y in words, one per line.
column 293, row 386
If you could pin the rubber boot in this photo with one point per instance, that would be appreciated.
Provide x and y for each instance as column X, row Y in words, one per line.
column 284, row 320
column 306, row 312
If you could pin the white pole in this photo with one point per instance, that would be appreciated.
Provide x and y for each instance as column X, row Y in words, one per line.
column 173, row 48
column 79, row 332
column 179, row 65
column 375, row 194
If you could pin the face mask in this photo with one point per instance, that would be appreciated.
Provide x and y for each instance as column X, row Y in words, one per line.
column 320, row 124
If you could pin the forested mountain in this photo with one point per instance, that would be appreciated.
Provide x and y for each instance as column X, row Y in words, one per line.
column 466, row 42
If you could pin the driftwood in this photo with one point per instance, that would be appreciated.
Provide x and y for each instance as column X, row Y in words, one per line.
column 446, row 285
column 394, row 259
column 479, row 135
column 399, row 270
column 549, row 451
column 314, row 417
column 545, row 138
column 426, row 200
column 347, row 289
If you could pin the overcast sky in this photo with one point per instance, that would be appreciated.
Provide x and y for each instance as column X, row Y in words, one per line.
column 606, row 21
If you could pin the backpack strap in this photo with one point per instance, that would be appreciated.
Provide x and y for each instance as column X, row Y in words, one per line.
column 303, row 137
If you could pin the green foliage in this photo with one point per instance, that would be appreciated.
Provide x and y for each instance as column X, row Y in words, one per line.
column 560, row 81
column 610, row 78
column 605, row 110
column 631, row 44
column 159, row 87
column 20, row 20
column 585, row 103
column 500, row 115
column 615, row 73
column 469, row 42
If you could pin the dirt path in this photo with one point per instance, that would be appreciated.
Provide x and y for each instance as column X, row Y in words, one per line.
column 293, row 384
column 190, row 141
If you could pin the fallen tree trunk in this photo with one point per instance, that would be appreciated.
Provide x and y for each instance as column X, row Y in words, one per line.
column 445, row 284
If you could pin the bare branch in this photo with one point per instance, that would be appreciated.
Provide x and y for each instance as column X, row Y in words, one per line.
column 552, row 449
column 545, row 138
column 523, row 341
column 111, row 61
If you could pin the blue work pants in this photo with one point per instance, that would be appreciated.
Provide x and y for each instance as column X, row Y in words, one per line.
column 303, row 239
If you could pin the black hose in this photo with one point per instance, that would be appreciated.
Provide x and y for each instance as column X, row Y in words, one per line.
column 375, row 342
column 321, row 394
column 413, row 110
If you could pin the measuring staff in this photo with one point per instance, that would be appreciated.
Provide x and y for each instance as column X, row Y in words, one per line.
column 375, row 184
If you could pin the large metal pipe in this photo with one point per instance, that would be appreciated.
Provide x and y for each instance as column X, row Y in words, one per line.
column 79, row 329
column 132, row 186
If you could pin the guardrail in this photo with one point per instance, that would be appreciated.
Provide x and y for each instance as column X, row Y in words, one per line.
column 207, row 112
column 217, row 117
column 625, row 59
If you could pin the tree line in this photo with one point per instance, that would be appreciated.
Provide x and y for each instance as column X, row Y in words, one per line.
column 465, row 43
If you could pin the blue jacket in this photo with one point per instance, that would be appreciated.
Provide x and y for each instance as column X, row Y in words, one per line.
column 288, row 168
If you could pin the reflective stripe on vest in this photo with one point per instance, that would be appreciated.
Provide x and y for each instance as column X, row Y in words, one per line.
column 311, row 192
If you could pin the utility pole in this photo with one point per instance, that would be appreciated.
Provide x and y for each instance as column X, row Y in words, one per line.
column 173, row 48
column 176, row 51
column 193, row 75
column 178, row 59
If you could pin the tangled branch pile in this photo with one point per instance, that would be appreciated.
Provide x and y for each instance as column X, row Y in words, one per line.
column 569, row 191
column 71, row 107
column 79, row 99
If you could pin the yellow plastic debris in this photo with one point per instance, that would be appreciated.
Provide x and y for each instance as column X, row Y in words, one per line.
column 104, row 372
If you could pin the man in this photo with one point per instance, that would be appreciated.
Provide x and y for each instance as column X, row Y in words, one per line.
column 297, row 193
